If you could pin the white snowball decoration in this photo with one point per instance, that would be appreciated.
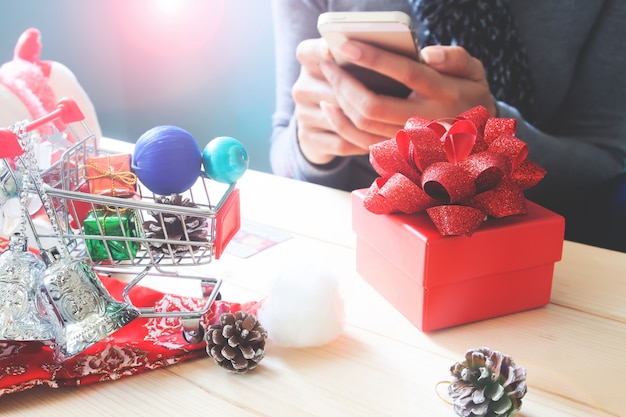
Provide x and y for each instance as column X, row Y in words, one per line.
column 304, row 308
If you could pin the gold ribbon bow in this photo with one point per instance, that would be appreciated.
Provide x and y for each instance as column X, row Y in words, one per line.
column 126, row 177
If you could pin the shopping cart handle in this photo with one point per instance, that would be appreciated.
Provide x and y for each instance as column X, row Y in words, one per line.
column 67, row 110
column 9, row 145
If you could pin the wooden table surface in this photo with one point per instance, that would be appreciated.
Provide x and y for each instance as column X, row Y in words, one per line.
column 574, row 349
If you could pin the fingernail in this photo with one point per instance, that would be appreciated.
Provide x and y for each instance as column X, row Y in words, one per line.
column 433, row 55
column 350, row 51
column 323, row 50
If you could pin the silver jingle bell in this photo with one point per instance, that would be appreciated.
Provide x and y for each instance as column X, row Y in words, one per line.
column 86, row 312
column 23, row 315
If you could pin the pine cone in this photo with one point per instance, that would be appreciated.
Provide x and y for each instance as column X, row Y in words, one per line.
column 487, row 384
column 172, row 226
column 237, row 343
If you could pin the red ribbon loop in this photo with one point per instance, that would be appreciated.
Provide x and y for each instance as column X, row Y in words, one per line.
column 512, row 147
column 397, row 194
column 487, row 169
column 456, row 220
column 459, row 141
column 420, row 147
column 447, row 182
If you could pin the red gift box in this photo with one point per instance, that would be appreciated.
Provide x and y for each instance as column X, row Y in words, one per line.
column 110, row 175
column 439, row 281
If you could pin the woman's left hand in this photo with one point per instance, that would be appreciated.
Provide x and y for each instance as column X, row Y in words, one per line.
column 445, row 83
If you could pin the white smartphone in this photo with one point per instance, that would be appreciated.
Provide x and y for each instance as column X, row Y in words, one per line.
column 392, row 31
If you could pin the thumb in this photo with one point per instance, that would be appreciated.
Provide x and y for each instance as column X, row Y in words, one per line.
column 453, row 60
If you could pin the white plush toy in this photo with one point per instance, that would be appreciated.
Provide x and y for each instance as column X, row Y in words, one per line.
column 304, row 307
column 30, row 87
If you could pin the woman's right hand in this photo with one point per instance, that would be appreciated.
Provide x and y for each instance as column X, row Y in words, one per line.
column 324, row 132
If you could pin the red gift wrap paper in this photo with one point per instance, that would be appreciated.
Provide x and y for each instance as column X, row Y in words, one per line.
column 439, row 281
column 110, row 175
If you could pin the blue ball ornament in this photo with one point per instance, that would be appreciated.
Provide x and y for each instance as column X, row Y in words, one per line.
column 167, row 160
column 225, row 159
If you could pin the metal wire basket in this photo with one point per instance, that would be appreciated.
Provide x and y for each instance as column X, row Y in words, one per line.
column 210, row 203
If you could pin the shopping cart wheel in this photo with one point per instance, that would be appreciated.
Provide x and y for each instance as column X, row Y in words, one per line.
column 193, row 332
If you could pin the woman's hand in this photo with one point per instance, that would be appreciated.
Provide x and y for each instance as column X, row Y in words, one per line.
column 447, row 82
column 338, row 116
column 324, row 131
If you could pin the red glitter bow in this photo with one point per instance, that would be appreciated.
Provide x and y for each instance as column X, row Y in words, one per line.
column 458, row 170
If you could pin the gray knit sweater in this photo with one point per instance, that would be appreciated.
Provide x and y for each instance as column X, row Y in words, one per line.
column 577, row 60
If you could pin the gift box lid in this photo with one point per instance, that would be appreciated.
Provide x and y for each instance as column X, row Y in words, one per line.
column 415, row 246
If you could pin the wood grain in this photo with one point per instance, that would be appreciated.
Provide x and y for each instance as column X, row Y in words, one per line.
column 573, row 349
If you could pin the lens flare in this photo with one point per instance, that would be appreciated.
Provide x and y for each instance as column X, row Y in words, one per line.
column 168, row 27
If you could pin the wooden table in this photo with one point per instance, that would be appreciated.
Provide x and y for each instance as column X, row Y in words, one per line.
column 574, row 349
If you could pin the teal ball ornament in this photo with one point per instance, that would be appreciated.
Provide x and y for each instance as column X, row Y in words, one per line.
column 167, row 160
column 225, row 159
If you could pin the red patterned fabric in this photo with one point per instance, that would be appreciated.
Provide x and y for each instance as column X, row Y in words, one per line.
column 142, row 345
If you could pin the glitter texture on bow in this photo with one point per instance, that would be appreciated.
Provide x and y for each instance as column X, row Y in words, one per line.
column 460, row 171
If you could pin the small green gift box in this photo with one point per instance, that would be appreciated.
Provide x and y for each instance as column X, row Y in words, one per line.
column 110, row 222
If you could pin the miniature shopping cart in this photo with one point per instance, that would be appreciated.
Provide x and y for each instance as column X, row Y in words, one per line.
column 145, row 238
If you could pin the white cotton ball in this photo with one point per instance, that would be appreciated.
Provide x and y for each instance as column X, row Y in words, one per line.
column 304, row 307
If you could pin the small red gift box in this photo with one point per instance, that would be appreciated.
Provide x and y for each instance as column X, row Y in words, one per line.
column 110, row 175
column 438, row 281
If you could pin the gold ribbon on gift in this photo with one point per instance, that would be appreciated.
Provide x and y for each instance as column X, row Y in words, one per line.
column 107, row 210
column 126, row 177
column 110, row 211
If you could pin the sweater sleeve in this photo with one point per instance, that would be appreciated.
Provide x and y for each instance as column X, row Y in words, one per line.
column 294, row 21
column 584, row 142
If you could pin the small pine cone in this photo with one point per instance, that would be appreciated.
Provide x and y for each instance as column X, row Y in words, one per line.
column 237, row 342
column 172, row 226
column 487, row 384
